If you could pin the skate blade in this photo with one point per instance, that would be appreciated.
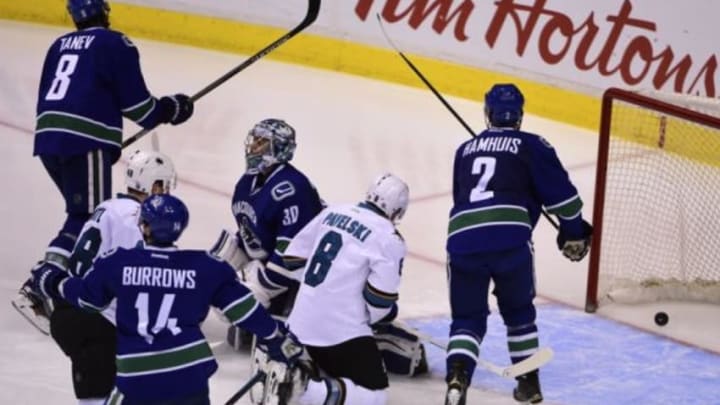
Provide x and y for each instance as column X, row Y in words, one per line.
column 24, row 308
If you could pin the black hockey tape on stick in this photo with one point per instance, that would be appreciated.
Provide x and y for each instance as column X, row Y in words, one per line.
column 310, row 17
column 442, row 99
column 259, row 376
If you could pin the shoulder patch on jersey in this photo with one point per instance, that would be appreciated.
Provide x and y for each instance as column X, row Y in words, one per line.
column 282, row 190
column 127, row 41
column 545, row 142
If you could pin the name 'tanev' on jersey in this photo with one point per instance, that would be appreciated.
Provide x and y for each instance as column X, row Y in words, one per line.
column 158, row 277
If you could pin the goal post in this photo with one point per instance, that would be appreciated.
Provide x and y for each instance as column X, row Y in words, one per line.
column 656, row 213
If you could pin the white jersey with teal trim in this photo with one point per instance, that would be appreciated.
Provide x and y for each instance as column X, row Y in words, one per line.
column 354, row 260
column 114, row 224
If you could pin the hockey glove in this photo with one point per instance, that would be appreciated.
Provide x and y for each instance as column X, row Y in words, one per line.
column 575, row 248
column 46, row 278
column 282, row 345
column 176, row 109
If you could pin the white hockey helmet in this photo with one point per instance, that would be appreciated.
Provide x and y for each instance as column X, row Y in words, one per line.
column 144, row 169
column 389, row 194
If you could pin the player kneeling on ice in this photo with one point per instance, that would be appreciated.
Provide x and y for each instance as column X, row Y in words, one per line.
column 349, row 260
column 163, row 294
column 272, row 201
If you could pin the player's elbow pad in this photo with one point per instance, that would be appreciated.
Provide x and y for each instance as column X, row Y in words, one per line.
column 379, row 303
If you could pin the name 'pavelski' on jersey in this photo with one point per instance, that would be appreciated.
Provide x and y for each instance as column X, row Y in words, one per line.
column 158, row 277
column 493, row 144
column 349, row 225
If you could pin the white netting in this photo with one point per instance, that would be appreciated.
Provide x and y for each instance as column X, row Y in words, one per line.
column 661, row 221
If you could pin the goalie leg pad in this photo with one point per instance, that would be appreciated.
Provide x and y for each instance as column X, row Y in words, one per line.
column 402, row 351
column 259, row 363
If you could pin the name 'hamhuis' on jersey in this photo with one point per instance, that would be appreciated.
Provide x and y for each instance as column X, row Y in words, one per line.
column 90, row 79
column 354, row 262
column 270, row 212
column 503, row 177
column 163, row 296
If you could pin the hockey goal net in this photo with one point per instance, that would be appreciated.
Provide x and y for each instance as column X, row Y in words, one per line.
column 657, row 200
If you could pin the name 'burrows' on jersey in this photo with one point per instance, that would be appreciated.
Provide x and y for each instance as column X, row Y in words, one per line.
column 158, row 277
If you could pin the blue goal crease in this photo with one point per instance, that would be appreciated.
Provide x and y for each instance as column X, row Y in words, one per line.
column 597, row 361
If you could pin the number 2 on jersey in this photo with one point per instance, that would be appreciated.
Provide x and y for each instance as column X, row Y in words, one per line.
column 163, row 320
column 485, row 167
column 323, row 257
column 65, row 68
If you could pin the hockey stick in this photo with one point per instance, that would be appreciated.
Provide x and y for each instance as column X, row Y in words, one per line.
column 441, row 98
column 537, row 360
column 259, row 376
column 312, row 13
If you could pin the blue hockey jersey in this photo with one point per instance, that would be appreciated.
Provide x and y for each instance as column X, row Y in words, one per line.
column 91, row 78
column 163, row 295
column 501, row 180
column 270, row 213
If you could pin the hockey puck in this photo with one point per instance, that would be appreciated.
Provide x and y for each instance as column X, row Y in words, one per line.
column 661, row 319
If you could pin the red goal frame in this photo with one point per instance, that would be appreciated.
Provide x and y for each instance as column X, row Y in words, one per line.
column 609, row 96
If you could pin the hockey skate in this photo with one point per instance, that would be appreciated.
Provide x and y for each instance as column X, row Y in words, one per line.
column 457, row 384
column 528, row 388
column 34, row 307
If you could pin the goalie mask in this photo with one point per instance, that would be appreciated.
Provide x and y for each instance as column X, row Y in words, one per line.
column 389, row 194
column 147, row 168
column 504, row 106
column 271, row 141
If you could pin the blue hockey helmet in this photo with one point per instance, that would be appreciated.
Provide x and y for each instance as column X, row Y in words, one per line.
column 504, row 106
column 269, row 142
column 83, row 10
column 166, row 216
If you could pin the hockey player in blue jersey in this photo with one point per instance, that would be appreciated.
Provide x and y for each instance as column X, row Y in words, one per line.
column 89, row 338
column 272, row 201
column 501, row 180
column 91, row 79
column 163, row 295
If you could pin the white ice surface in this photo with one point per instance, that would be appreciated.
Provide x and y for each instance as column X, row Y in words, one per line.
column 349, row 129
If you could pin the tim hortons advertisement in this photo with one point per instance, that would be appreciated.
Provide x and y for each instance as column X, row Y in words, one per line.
column 589, row 44
column 625, row 44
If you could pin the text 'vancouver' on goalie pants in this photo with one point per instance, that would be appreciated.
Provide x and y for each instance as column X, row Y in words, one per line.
column 90, row 341
column 469, row 275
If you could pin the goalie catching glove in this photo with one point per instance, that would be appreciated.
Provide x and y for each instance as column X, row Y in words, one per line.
column 575, row 248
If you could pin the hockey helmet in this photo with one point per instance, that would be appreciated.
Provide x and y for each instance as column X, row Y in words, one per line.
column 144, row 169
column 166, row 216
column 390, row 195
column 504, row 106
column 269, row 142
column 83, row 10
